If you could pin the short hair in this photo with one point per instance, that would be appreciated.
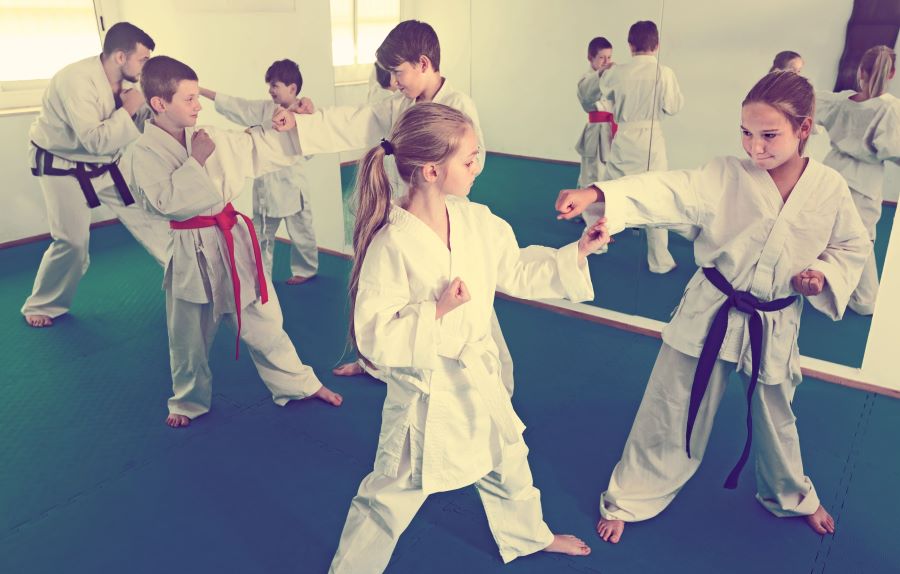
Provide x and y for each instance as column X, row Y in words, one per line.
column 789, row 93
column 643, row 36
column 285, row 71
column 383, row 77
column 125, row 36
column 161, row 76
column 782, row 59
column 597, row 44
column 408, row 41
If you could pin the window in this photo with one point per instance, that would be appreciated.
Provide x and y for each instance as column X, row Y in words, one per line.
column 357, row 29
column 43, row 36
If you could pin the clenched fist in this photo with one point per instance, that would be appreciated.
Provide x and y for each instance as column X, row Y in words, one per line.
column 202, row 146
column 453, row 296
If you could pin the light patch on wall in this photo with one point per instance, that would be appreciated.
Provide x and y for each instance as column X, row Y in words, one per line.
column 206, row 6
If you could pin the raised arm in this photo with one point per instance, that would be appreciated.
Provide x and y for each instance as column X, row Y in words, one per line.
column 538, row 272
column 181, row 194
column 244, row 112
column 98, row 135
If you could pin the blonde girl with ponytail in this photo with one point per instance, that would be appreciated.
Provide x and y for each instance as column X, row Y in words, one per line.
column 425, row 272
column 864, row 127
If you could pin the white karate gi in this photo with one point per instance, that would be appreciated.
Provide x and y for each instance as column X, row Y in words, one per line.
column 198, row 280
column 345, row 128
column 596, row 138
column 758, row 243
column 863, row 135
column 447, row 420
column 638, row 103
column 277, row 196
column 79, row 122
column 594, row 144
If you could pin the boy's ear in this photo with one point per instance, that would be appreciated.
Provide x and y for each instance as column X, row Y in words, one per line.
column 157, row 104
column 295, row 90
column 425, row 63
column 805, row 128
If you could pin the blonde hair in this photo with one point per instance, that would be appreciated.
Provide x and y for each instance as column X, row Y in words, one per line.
column 427, row 133
column 789, row 93
column 874, row 70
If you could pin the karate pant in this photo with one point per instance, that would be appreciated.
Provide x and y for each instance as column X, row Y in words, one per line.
column 658, row 257
column 863, row 298
column 384, row 507
column 192, row 328
column 304, row 250
column 654, row 465
column 66, row 259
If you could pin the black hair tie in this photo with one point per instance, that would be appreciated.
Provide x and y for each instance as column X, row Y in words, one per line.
column 387, row 146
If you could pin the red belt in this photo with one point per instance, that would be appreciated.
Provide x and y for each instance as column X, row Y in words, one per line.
column 225, row 220
column 597, row 117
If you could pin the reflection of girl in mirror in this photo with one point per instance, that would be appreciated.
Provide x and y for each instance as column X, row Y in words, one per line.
column 864, row 128
column 421, row 299
column 787, row 61
column 770, row 228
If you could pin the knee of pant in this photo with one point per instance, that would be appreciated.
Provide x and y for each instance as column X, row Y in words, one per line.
column 75, row 247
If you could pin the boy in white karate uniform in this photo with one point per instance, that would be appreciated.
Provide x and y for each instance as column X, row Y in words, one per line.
column 596, row 137
column 215, row 267
column 769, row 229
column 412, row 54
column 641, row 91
column 278, row 196
column 424, row 276
column 87, row 118
column 864, row 128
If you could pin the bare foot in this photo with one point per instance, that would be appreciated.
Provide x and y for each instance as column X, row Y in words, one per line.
column 610, row 530
column 39, row 321
column 348, row 369
column 176, row 421
column 568, row 544
column 329, row 396
column 821, row 521
column 297, row 280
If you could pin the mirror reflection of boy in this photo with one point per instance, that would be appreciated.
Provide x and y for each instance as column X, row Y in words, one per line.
column 278, row 196
column 640, row 92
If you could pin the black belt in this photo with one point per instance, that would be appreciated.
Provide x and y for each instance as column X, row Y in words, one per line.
column 84, row 173
column 744, row 302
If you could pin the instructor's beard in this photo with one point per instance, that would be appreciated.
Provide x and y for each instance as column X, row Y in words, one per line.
column 132, row 79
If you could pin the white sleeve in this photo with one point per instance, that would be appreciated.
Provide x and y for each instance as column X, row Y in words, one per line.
column 243, row 112
column 589, row 91
column 886, row 136
column 344, row 128
column 538, row 272
column 672, row 98
column 842, row 261
column 658, row 199
column 179, row 194
column 390, row 329
column 98, row 135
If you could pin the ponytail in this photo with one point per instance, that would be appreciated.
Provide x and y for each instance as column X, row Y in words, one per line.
column 373, row 192
column 875, row 70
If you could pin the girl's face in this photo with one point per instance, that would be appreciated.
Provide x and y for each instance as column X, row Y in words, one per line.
column 768, row 136
column 458, row 173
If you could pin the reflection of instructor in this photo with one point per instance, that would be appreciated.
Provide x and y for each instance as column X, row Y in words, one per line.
column 86, row 120
column 640, row 91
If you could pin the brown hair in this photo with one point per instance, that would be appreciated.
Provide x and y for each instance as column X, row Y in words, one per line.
column 426, row 133
column 876, row 66
column 125, row 36
column 782, row 59
column 161, row 76
column 643, row 36
column 597, row 44
column 789, row 93
column 408, row 41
